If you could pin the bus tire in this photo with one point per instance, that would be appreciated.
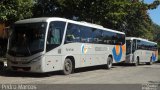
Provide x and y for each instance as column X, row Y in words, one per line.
column 67, row 67
column 150, row 62
column 1, row 65
column 136, row 62
column 109, row 63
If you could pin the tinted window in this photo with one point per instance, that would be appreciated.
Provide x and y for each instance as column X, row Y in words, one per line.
column 98, row 36
column 144, row 45
column 86, row 34
column 55, row 34
column 113, row 38
column 27, row 39
column 73, row 33
column 78, row 33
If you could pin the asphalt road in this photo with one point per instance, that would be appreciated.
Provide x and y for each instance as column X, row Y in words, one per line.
column 119, row 74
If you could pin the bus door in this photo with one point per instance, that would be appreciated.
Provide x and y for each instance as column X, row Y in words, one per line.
column 129, row 51
column 134, row 47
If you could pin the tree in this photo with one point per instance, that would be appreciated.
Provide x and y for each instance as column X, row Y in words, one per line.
column 122, row 15
column 157, row 34
column 13, row 10
column 129, row 16
column 47, row 8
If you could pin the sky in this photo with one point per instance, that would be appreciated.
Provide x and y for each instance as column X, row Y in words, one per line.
column 155, row 13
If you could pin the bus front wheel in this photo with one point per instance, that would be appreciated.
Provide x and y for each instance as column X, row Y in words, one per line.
column 67, row 67
column 109, row 63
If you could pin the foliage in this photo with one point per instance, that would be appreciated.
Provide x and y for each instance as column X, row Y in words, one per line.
column 47, row 8
column 13, row 10
column 129, row 16
column 156, row 32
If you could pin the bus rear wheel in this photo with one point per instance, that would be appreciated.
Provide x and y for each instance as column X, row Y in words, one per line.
column 109, row 63
column 150, row 62
column 67, row 67
column 136, row 63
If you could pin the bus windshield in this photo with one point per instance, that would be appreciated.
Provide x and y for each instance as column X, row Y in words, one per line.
column 27, row 39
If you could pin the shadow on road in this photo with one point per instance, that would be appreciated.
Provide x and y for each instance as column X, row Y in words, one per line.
column 123, row 64
column 6, row 73
column 92, row 68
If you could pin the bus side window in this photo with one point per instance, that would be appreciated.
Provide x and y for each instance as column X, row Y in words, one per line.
column 56, row 36
column 53, row 36
column 55, row 33
column 72, row 34
column 53, row 39
column 70, row 37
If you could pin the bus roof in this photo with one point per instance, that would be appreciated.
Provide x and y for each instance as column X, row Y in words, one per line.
column 49, row 19
column 131, row 38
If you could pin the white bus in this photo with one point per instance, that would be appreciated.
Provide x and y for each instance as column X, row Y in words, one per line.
column 140, row 50
column 51, row 44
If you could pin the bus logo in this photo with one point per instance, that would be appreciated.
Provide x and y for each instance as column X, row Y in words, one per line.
column 117, row 52
column 154, row 56
column 84, row 49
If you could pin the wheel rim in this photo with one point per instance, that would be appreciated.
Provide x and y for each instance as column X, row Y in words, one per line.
column 68, row 66
column 110, row 63
column 136, row 62
column 151, row 62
